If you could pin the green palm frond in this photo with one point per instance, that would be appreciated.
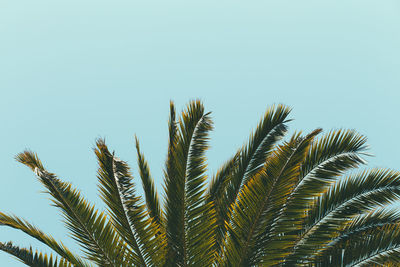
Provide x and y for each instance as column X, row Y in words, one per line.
column 252, row 157
column 172, row 139
column 216, row 195
column 377, row 248
column 329, row 158
column 20, row 224
column 34, row 259
column 222, row 178
column 247, row 162
column 88, row 226
column 362, row 226
column 347, row 198
column 260, row 202
column 190, row 221
column 152, row 201
column 128, row 213
column 293, row 203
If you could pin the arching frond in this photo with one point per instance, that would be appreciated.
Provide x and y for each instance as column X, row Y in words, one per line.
column 34, row 259
column 151, row 195
column 378, row 248
column 328, row 158
column 252, row 156
column 128, row 213
column 349, row 197
column 260, row 202
column 88, row 226
column 216, row 195
column 247, row 161
column 360, row 227
column 20, row 224
column 190, row 221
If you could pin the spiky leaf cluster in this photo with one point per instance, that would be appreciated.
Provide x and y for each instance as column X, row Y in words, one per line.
column 299, row 202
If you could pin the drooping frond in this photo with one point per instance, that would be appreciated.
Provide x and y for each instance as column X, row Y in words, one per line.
column 355, row 231
column 34, row 259
column 258, row 205
column 20, row 224
column 221, row 179
column 128, row 213
column 216, row 195
column 252, row 157
column 88, row 226
column 247, row 161
column 376, row 248
column 189, row 220
column 326, row 160
column 151, row 195
column 349, row 197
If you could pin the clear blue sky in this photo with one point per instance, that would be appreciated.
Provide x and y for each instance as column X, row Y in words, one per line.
column 72, row 71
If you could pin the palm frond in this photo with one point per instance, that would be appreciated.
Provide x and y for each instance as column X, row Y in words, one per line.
column 260, row 202
column 247, row 162
column 222, row 178
column 151, row 195
column 329, row 158
column 172, row 134
column 378, row 248
column 88, row 226
column 361, row 226
column 34, row 259
column 20, row 224
column 128, row 213
column 297, row 203
column 190, row 221
column 349, row 197
column 326, row 160
column 216, row 195
column 268, row 132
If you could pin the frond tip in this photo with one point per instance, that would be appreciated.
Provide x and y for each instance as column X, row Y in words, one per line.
column 20, row 224
column 31, row 258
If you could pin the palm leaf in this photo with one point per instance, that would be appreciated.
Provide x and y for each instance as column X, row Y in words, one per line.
column 360, row 227
column 190, row 221
column 216, row 195
column 20, row 224
column 260, row 201
column 268, row 132
column 128, row 214
column 268, row 205
column 30, row 258
column 88, row 226
column 349, row 197
column 327, row 159
column 247, row 162
column 378, row 248
column 152, row 201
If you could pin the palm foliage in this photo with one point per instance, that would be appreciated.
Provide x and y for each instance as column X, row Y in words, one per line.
column 299, row 202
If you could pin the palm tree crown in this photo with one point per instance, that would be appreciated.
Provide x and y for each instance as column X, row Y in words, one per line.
column 291, row 203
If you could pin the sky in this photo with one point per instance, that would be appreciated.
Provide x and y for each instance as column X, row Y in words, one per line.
column 73, row 71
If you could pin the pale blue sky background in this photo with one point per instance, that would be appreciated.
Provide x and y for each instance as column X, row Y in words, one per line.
column 71, row 71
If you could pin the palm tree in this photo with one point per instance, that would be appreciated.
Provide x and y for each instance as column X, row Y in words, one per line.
column 297, row 203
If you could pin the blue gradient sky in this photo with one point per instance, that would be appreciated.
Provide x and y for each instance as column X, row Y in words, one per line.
column 72, row 71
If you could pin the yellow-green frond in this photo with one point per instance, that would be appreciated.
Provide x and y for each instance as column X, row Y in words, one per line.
column 20, row 224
